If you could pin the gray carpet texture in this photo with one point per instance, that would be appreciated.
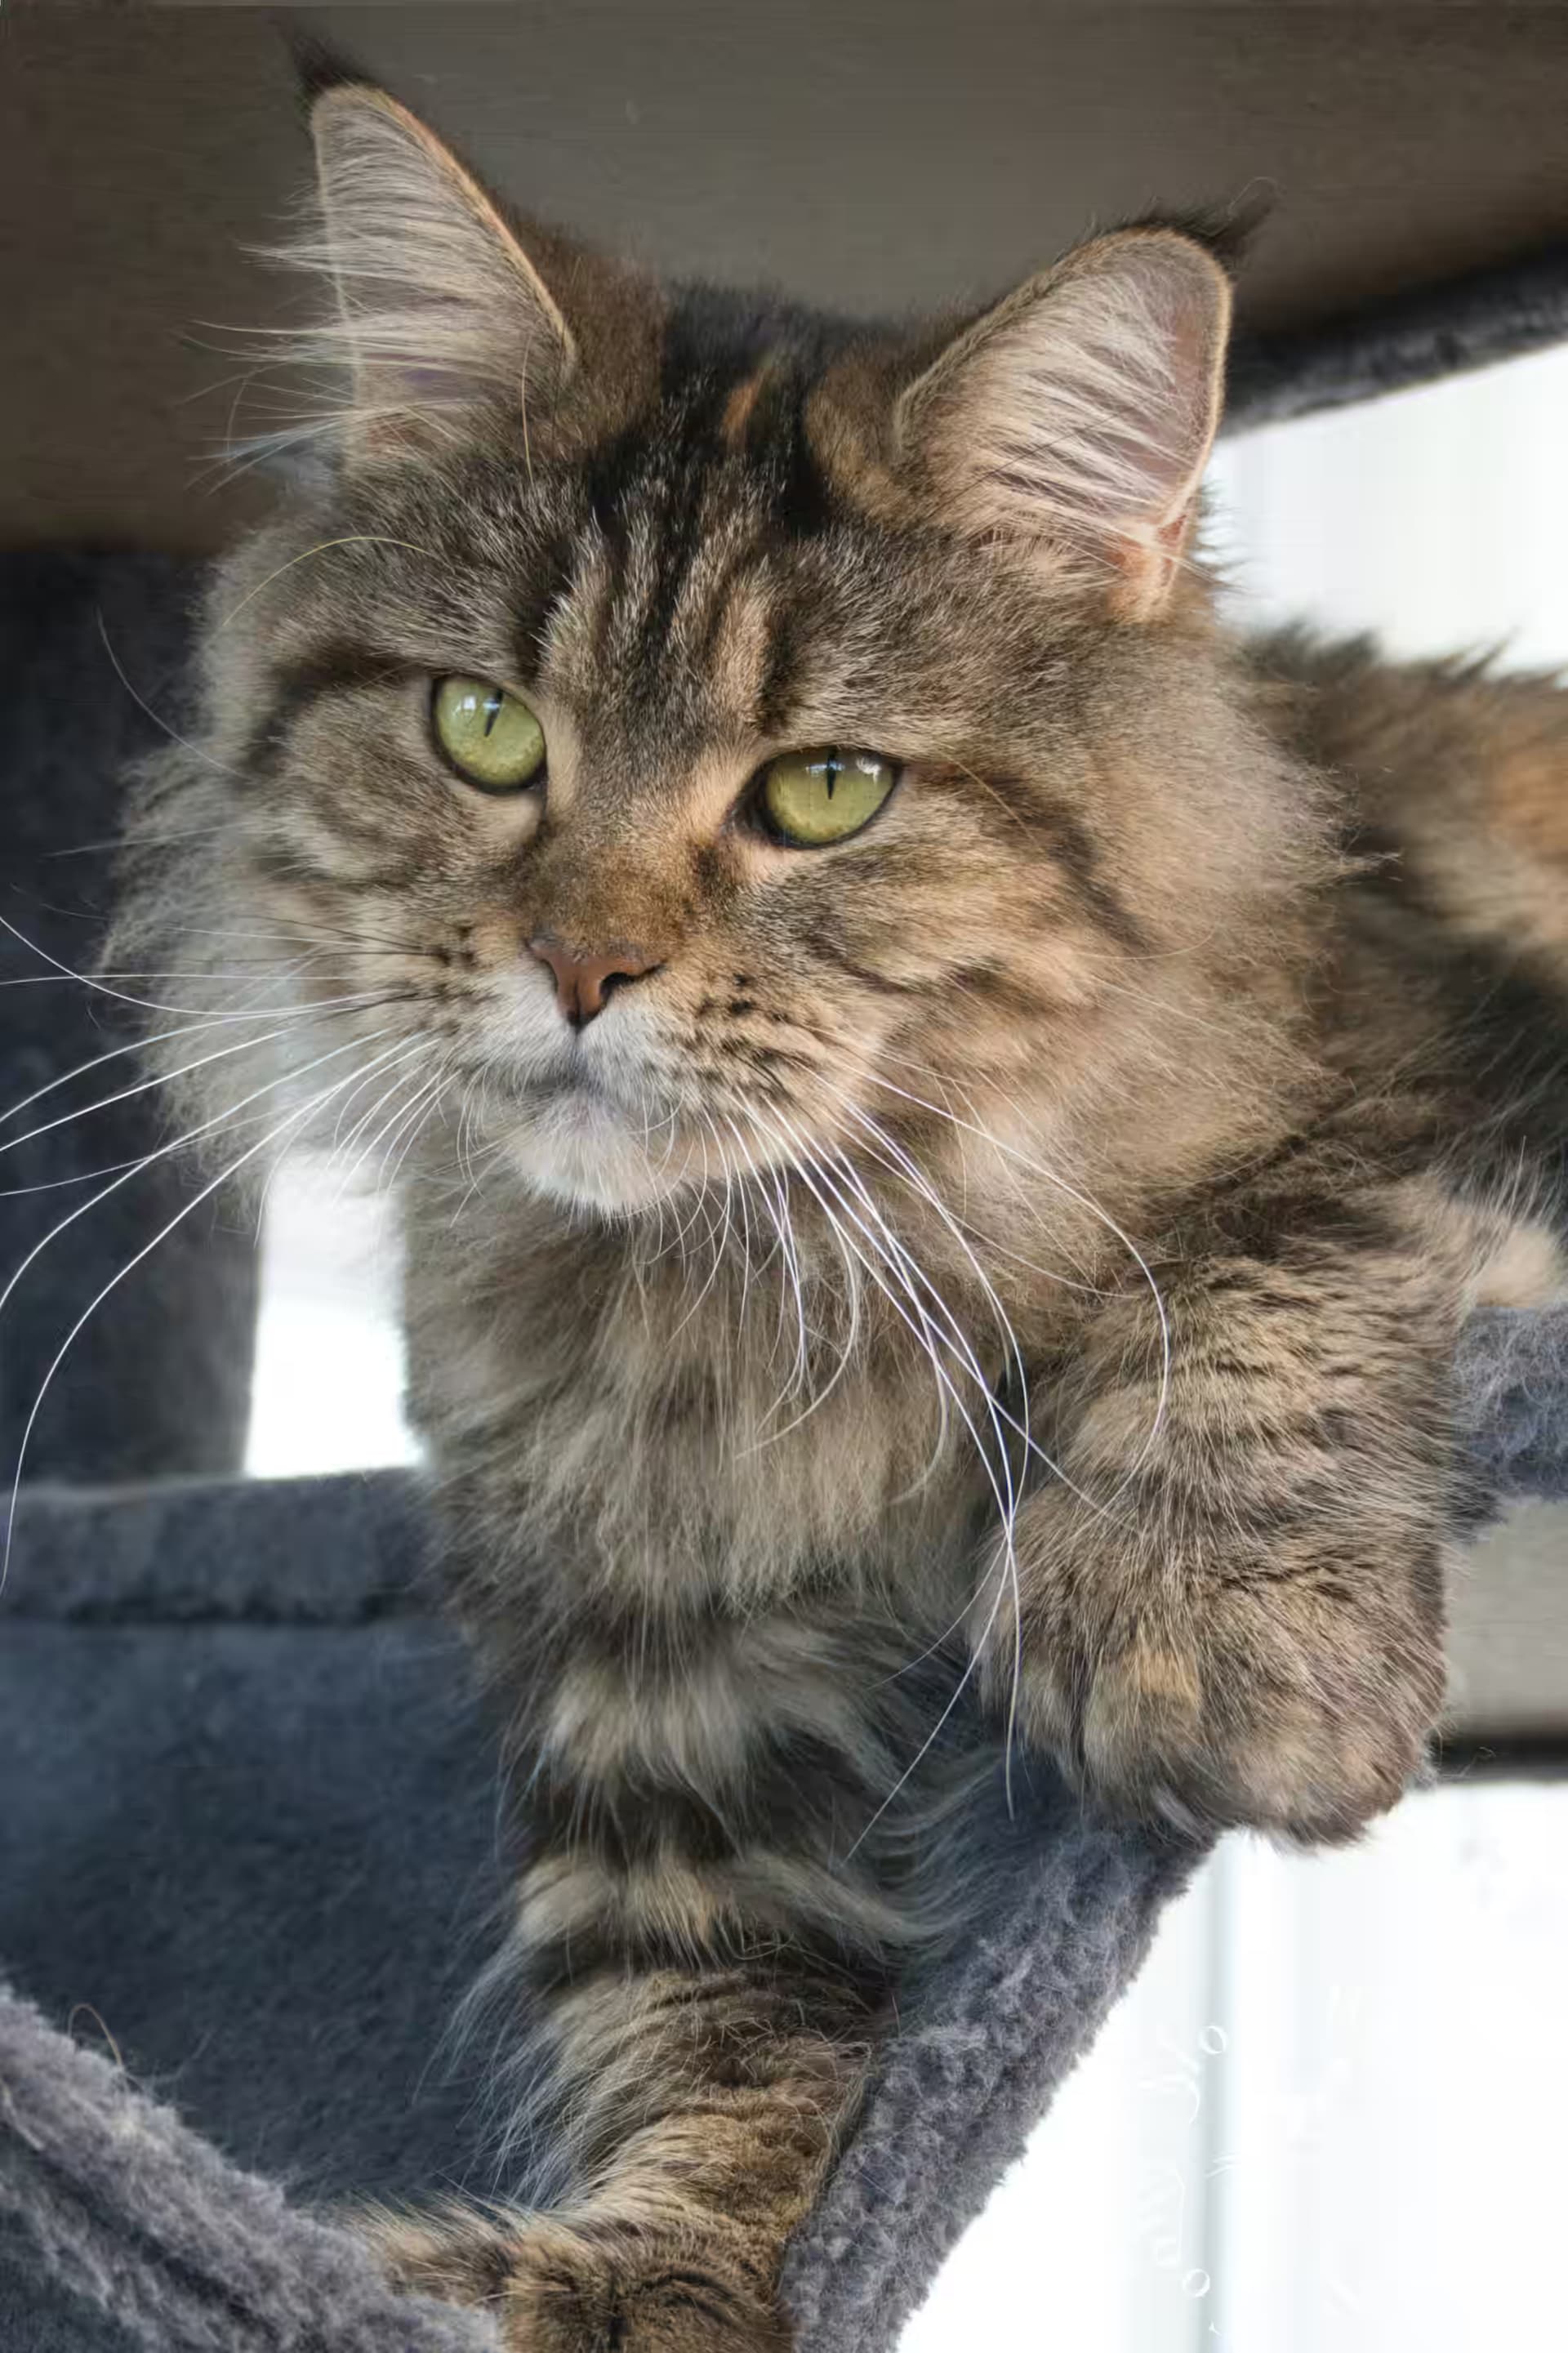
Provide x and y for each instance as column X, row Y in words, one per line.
column 138, row 2218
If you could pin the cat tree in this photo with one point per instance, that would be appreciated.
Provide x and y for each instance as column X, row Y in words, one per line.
column 249, row 1843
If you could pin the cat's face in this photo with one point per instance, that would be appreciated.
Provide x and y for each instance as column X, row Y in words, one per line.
column 713, row 732
column 675, row 636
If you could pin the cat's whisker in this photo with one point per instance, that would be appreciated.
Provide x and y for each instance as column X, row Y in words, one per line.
column 256, row 977
column 323, row 935
column 892, row 1156
column 850, row 1342
column 809, row 1168
column 40, row 980
column 64, row 1184
column 911, row 1174
column 911, row 1273
column 130, row 972
column 708, row 1207
column 164, row 1151
column 752, row 1268
column 116, row 843
column 996, row 1411
column 1007, row 1563
column 112, row 1054
column 687, row 1225
column 338, row 1142
column 1101, row 1216
column 946, row 1328
column 98, row 988
column 748, row 1242
column 390, row 1136
column 147, row 1086
column 920, row 1181
column 700, row 1209
column 748, row 1175
column 945, row 1082
column 322, row 547
column 116, row 1054
column 716, row 1235
column 111, row 1168
column 914, row 1279
column 726, row 1205
column 792, row 1282
column 273, row 1136
column 411, row 1052
column 443, row 1080
column 464, row 1148
column 142, row 705
column 1001, row 1486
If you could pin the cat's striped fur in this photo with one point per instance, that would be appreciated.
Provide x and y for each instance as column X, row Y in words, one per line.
column 1024, row 1243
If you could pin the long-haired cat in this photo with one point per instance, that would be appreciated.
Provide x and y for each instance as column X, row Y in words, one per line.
column 947, row 1118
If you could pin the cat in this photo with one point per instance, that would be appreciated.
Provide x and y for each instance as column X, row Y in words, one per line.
column 947, row 1113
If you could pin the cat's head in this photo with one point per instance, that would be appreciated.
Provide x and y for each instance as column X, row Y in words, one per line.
column 700, row 732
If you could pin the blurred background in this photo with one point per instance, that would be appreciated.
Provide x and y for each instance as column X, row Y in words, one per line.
column 1329, row 2114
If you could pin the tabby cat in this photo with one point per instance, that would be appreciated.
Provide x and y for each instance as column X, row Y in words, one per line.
column 947, row 1117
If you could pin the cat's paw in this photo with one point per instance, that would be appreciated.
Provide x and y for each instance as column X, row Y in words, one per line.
column 1209, row 1694
column 587, row 2284
column 575, row 2291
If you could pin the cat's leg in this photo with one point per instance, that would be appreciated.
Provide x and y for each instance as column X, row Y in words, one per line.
column 1234, row 1611
column 704, row 1984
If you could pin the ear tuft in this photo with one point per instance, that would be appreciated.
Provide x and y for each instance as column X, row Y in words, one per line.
column 440, row 307
column 319, row 65
column 1079, row 414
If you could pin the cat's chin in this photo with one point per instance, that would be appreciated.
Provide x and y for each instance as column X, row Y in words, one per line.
column 588, row 1159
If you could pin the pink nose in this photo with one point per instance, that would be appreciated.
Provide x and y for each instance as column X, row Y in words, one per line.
column 584, row 981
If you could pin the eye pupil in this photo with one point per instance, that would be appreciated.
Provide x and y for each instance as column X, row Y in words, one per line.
column 490, row 736
column 811, row 798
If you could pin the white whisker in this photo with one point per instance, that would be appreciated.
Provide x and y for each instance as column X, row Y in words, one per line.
column 177, row 1143
column 145, row 707
column 145, row 1086
column 147, row 1004
column 1103, row 1217
column 272, row 1137
column 998, row 1476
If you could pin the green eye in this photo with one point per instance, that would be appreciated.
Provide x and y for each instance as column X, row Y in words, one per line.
column 490, row 736
column 812, row 797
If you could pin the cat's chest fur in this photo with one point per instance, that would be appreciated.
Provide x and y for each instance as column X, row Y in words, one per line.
column 672, row 1421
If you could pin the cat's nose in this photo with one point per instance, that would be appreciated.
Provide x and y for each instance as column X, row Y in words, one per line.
column 584, row 981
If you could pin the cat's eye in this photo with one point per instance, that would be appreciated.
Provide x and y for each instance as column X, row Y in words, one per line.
column 491, row 737
column 810, row 798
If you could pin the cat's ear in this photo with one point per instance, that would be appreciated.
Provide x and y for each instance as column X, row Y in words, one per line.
column 1080, row 413
column 440, row 306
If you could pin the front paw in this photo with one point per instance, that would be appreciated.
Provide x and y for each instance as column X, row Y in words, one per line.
column 589, row 2282
column 1294, row 1694
column 581, row 2290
